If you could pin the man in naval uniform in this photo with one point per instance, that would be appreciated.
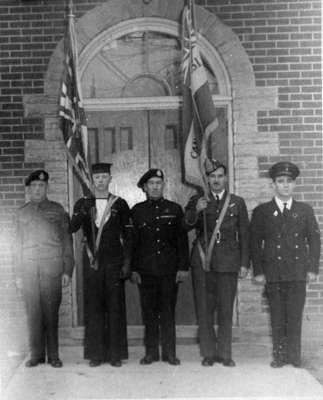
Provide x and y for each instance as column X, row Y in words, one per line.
column 285, row 251
column 106, row 219
column 160, row 262
column 44, row 261
column 222, row 221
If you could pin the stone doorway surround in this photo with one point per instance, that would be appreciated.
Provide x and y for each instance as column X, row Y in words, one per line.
column 217, row 39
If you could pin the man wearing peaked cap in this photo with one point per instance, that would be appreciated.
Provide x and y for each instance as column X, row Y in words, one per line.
column 285, row 252
column 107, row 229
column 217, row 263
column 284, row 168
column 160, row 262
column 44, row 260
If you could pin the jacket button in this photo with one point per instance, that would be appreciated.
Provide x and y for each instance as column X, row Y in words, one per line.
column 278, row 246
column 296, row 258
column 158, row 252
column 296, row 246
column 296, row 234
column 157, row 229
column 278, row 236
column 279, row 257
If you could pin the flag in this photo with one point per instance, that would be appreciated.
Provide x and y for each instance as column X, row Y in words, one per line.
column 71, row 111
column 199, row 114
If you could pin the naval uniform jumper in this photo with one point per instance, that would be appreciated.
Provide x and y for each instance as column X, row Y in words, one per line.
column 104, row 295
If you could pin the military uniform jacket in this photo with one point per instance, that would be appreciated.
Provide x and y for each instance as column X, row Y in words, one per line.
column 116, row 239
column 160, row 242
column 284, row 248
column 42, row 237
column 231, row 251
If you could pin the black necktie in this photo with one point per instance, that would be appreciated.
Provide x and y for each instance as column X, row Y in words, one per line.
column 217, row 200
column 285, row 210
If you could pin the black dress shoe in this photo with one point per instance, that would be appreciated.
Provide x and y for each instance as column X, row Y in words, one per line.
column 33, row 362
column 228, row 362
column 56, row 363
column 172, row 360
column 116, row 363
column 207, row 362
column 148, row 359
column 277, row 363
column 94, row 363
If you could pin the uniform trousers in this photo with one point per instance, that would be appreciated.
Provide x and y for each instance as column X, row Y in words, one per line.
column 104, row 303
column 42, row 295
column 214, row 291
column 158, row 296
column 286, row 303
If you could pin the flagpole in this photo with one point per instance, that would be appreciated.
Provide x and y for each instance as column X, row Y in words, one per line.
column 192, row 12
column 94, row 265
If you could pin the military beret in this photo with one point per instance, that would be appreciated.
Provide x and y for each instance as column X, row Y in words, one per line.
column 100, row 168
column 39, row 175
column 152, row 173
column 212, row 165
column 283, row 168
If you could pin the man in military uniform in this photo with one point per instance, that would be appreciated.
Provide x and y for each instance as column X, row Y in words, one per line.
column 159, row 264
column 106, row 264
column 221, row 220
column 44, row 260
column 285, row 251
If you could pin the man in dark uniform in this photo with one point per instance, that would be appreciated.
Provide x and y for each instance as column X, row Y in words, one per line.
column 215, row 271
column 285, row 251
column 44, row 260
column 159, row 264
column 108, row 217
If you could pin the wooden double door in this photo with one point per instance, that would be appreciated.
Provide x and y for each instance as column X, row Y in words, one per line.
column 134, row 141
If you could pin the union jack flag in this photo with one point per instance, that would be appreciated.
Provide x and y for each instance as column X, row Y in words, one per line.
column 71, row 111
column 199, row 114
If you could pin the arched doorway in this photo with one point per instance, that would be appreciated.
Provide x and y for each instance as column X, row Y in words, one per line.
column 131, row 82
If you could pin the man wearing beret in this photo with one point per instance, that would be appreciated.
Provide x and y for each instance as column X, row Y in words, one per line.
column 221, row 220
column 285, row 251
column 159, row 264
column 107, row 229
column 44, row 260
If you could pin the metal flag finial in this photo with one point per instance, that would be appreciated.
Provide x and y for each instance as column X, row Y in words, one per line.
column 70, row 9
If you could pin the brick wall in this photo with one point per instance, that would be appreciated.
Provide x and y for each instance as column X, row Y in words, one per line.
column 282, row 40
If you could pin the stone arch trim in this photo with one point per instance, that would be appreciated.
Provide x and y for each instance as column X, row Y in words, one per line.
column 216, row 38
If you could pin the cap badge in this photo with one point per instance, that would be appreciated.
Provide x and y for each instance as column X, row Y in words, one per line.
column 158, row 173
column 42, row 176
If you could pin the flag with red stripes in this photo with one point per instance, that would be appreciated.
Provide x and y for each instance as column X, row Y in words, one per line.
column 71, row 110
column 199, row 114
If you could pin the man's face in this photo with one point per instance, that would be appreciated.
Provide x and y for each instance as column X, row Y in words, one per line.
column 284, row 186
column 38, row 190
column 154, row 188
column 101, row 181
column 217, row 180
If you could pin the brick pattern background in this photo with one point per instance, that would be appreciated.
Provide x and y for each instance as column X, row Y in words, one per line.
column 282, row 40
